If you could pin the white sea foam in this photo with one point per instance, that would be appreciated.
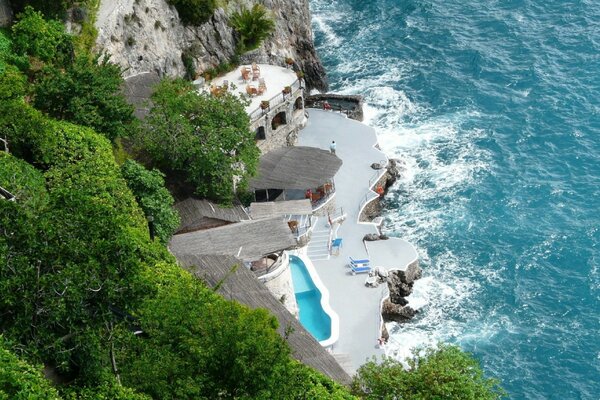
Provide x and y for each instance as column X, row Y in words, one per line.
column 440, row 158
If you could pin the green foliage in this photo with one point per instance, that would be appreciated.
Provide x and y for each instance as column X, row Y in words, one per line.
column 51, row 9
column 13, row 84
column 104, row 392
column 67, row 264
column 253, row 26
column 198, row 345
column 88, row 93
column 204, row 138
column 20, row 380
column 38, row 38
column 153, row 198
column 22, row 180
column 194, row 12
column 445, row 372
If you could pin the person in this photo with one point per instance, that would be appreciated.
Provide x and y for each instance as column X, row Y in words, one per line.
column 326, row 105
column 332, row 147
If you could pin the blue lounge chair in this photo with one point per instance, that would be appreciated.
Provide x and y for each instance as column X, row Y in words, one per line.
column 360, row 266
column 336, row 244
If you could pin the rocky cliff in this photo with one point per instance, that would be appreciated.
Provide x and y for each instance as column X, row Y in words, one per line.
column 148, row 36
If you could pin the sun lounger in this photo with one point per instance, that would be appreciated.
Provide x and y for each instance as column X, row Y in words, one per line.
column 359, row 266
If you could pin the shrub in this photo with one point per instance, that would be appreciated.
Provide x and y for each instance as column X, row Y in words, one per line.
column 194, row 12
column 153, row 198
column 443, row 372
column 88, row 93
column 253, row 26
column 36, row 37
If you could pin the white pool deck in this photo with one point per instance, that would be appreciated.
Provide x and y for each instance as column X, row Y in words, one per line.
column 276, row 79
column 358, row 306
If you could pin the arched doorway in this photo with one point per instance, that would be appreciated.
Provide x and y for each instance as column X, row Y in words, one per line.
column 260, row 133
column 278, row 120
column 299, row 103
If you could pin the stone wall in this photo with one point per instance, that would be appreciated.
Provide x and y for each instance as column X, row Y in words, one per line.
column 5, row 14
column 148, row 36
column 280, row 285
column 286, row 134
column 351, row 105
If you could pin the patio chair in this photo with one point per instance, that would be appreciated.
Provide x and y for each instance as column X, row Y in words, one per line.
column 336, row 244
column 262, row 86
column 360, row 266
column 251, row 90
column 246, row 73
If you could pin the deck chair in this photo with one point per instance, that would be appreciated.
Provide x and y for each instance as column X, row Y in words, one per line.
column 336, row 244
column 360, row 266
column 262, row 86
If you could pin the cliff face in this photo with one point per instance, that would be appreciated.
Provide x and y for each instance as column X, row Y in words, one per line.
column 147, row 35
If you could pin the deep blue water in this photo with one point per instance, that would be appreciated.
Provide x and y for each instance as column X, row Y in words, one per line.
column 494, row 108
column 308, row 297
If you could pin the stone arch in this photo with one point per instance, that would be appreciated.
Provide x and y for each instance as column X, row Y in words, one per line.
column 260, row 133
column 278, row 120
column 299, row 103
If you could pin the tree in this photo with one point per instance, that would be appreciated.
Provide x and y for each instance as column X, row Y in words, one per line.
column 38, row 38
column 20, row 380
column 253, row 25
column 206, row 139
column 444, row 372
column 154, row 199
column 88, row 93
column 66, row 267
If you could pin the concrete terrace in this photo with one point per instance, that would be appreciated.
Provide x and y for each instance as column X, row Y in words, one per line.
column 276, row 78
column 358, row 306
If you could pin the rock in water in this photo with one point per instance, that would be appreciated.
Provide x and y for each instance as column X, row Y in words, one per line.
column 396, row 313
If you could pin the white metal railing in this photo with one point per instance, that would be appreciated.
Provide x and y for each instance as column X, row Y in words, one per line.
column 276, row 100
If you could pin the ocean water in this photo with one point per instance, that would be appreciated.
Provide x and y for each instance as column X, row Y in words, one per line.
column 494, row 110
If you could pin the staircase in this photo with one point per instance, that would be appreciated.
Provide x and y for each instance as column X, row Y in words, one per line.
column 318, row 248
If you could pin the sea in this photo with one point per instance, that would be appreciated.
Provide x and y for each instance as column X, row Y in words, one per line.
column 493, row 109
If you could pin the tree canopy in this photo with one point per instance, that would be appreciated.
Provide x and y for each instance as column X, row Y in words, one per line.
column 20, row 380
column 148, row 187
column 86, row 92
column 443, row 372
column 206, row 139
column 41, row 39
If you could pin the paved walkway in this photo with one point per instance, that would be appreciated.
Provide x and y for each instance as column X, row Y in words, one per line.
column 356, row 305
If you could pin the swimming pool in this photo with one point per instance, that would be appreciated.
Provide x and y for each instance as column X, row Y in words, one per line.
column 315, row 314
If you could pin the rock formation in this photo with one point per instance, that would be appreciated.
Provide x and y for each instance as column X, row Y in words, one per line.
column 400, row 284
column 148, row 36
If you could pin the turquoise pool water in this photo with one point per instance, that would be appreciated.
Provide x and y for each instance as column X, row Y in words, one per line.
column 308, row 297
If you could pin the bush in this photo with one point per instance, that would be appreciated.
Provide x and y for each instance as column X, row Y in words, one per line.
column 47, row 41
column 153, row 198
column 20, row 380
column 253, row 26
column 194, row 12
column 87, row 93
column 444, row 372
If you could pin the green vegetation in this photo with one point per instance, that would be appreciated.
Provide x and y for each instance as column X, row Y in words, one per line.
column 87, row 92
column 439, row 373
column 19, row 380
column 40, row 39
column 153, row 198
column 253, row 26
column 203, row 138
column 194, row 12
column 86, row 293
column 51, row 9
